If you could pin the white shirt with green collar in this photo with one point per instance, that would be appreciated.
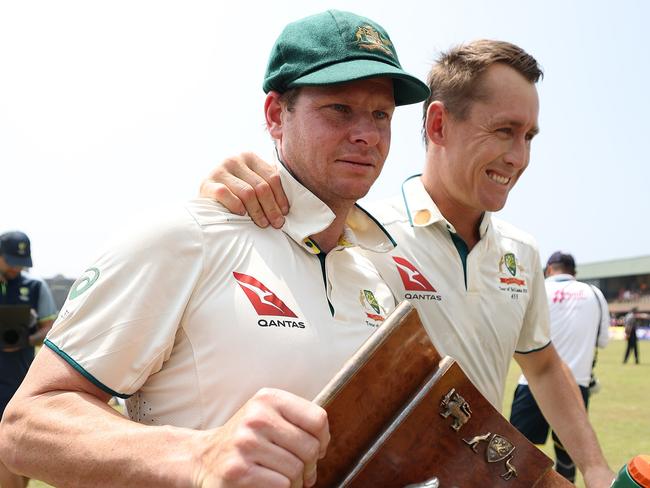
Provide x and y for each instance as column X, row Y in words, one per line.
column 193, row 312
column 478, row 307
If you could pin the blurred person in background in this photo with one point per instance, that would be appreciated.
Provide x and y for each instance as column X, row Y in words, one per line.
column 19, row 288
column 631, row 322
column 579, row 323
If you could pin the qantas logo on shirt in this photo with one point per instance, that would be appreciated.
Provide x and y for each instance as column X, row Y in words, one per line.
column 414, row 281
column 263, row 300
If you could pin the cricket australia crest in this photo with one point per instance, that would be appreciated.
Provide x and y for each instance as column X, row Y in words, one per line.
column 371, row 306
column 498, row 449
column 509, row 268
column 367, row 37
column 511, row 263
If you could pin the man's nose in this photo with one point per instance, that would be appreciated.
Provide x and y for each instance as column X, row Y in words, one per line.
column 365, row 130
column 519, row 153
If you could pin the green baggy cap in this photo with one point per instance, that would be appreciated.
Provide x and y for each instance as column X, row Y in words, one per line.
column 337, row 47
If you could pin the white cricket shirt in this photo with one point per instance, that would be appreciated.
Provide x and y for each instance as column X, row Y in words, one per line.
column 190, row 314
column 579, row 317
column 481, row 319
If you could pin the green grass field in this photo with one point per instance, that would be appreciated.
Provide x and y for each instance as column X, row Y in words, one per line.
column 620, row 412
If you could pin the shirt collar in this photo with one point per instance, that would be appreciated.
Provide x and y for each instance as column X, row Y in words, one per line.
column 309, row 216
column 561, row 277
column 422, row 210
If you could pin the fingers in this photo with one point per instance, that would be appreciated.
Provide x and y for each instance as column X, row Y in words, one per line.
column 247, row 183
column 238, row 196
column 253, row 475
column 276, row 459
column 306, row 432
column 263, row 196
column 305, row 415
column 275, row 439
column 267, row 174
column 309, row 475
column 222, row 194
column 280, row 197
column 303, row 431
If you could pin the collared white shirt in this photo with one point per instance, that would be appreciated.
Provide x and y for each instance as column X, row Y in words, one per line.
column 579, row 322
column 479, row 315
column 190, row 315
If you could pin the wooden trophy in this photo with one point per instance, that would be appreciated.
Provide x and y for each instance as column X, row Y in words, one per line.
column 401, row 415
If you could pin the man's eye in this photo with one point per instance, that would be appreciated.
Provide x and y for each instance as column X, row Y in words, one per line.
column 505, row 130
column 338, row 107
column 379, row 114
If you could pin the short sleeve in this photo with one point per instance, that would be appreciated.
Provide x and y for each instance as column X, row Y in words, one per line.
column 120, row 320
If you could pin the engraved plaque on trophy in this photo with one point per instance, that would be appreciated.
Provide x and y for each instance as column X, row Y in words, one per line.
column 401, row 415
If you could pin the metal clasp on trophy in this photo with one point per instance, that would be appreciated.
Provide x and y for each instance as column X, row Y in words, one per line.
column 474, row 441
column 498, row 449
column 430, row 483
column 456, row 406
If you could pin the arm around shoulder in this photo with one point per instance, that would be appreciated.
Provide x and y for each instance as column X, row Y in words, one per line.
column 247, row 184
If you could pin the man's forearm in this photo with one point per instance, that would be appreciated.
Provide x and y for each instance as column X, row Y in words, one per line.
column 58, row 428
column 561, row 403
column 73, row 439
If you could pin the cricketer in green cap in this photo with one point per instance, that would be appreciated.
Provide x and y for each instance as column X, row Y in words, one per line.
column 336, row 47
column 275, row 312
column 332, row 82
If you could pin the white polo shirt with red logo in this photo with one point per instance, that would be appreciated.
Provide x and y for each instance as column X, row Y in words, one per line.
column 579, row 322
column 192, row 313
column 479, row 315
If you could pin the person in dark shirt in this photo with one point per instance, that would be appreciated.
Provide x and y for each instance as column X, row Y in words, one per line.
column 19, row 288
column 631, row 324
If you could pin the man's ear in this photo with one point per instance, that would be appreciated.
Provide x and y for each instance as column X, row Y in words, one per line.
column 437, row 118
column 273, row 108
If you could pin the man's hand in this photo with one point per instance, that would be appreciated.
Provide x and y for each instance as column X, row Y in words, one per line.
column 598, row 477
column 274, row 440
column 559, row 399
column 246, row 183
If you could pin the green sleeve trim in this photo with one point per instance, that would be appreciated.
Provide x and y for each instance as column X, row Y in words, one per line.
column 49, row 317
column 83, row 372
column 534, row 350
